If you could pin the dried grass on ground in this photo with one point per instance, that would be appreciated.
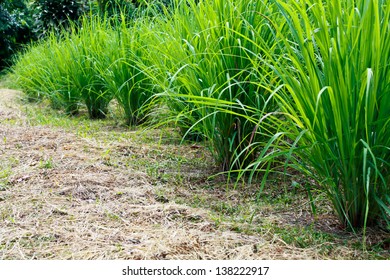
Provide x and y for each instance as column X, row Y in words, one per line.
column 61, row 198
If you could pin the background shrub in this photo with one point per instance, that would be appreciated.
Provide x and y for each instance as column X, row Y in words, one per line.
column 15, row 28
column 56, row 14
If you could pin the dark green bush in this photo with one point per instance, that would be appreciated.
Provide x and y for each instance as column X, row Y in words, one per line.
column 56, row 14
column 132, row 8
column 15, row 28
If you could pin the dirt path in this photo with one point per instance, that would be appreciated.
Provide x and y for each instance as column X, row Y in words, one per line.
column 59, row 200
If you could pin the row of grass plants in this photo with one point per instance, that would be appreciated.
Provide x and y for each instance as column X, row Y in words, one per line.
column 270, row 86
column 88, row 67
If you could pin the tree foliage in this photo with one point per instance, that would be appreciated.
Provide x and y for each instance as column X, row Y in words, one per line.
column 56, row 14
column 15, row 28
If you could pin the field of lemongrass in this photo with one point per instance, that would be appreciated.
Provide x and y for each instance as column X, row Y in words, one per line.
column 246, row 129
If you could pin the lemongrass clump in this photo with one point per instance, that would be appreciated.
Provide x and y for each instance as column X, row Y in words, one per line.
column 204, row 53
column 336, row 75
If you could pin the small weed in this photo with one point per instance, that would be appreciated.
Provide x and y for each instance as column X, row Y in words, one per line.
column 303, row 237
column 46, row 164
column 226, row 208
column 161, row 199
column 5, row 173
column 112, row 216
column 11, row 219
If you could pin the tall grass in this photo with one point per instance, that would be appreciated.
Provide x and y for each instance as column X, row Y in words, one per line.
column 202, row 50
column 89, row 65
column 303, row 82
column 92, row 48
column 43, row 72
column 336, row 75
column 127, row 75
column 65, row 69
column 333, row 123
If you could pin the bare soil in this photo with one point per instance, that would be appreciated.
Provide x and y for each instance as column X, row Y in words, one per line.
column 59, row 199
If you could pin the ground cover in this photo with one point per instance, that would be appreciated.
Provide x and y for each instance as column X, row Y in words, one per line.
column 71, row 188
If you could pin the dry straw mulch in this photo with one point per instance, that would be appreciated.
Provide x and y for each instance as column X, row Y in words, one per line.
column 62, row 201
